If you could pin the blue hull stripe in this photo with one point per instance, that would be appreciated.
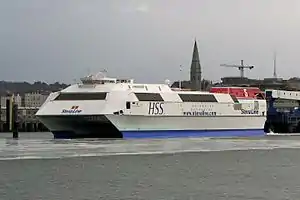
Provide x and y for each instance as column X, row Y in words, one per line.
column 192, row 133
column 168, row 134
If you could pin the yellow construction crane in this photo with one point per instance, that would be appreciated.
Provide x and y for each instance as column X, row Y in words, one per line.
column 241, row 67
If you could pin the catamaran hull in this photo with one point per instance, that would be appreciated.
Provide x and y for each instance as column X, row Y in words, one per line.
column 182, row 126
column 193, row 133
column 121, row 126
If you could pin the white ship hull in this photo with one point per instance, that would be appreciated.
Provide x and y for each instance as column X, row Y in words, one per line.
column 145, row 127
column 114, row 126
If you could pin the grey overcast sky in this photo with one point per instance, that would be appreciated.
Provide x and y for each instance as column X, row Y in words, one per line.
column 62, row 40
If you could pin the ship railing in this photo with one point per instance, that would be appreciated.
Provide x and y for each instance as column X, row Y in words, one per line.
column 180, row 89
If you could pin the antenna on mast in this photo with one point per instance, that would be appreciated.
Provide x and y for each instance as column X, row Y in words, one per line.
column 180, row 69
column 274, row 65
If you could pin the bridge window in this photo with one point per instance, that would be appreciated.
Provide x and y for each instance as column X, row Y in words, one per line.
column 81, row 96
column 198, row 98
column 149, row 97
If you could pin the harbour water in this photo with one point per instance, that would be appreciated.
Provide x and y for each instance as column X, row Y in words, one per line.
column 38, row 167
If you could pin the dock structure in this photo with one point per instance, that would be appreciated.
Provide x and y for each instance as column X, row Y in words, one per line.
column 27, row 121
column 17, row 112
column 284, row 94
column 283, row 113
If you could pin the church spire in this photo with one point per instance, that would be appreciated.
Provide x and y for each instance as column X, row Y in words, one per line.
column 195, row 73
column 195, row 52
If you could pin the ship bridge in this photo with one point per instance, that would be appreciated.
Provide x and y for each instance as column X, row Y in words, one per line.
column 101, row 78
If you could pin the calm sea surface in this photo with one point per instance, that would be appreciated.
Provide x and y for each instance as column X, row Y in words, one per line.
column 38, row 167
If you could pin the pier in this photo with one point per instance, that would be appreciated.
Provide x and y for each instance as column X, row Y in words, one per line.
column 27, row 121
column 17, row 112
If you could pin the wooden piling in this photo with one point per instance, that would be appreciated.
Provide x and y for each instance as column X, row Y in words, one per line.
column 15, row 123
column 8, row 114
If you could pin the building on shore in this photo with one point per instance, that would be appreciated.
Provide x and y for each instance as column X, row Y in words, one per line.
column 195, row 72
column 35, row 99
column 17, row 99
column 196, row 83
column 28, row 105
column 266, row 83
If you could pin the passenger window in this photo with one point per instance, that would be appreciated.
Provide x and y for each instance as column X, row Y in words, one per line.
column 127, row 105
column 237, row 106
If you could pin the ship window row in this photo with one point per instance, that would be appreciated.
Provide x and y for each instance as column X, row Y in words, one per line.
column 81, row 96
column 202, row 106
column 149, row 97
column 198, row 98
column 184, row 97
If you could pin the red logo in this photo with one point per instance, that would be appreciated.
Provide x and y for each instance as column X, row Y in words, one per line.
column 74, row 109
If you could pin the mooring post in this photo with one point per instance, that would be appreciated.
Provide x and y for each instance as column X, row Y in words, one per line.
column 8, row 114
column 15, row 121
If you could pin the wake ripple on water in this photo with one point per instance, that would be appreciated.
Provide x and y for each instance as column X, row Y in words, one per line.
column 49, row 149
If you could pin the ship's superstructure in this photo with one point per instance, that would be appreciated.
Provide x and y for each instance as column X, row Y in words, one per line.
column 103, row 107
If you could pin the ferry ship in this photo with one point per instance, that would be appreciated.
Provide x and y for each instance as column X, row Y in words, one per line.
column 103, row 107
